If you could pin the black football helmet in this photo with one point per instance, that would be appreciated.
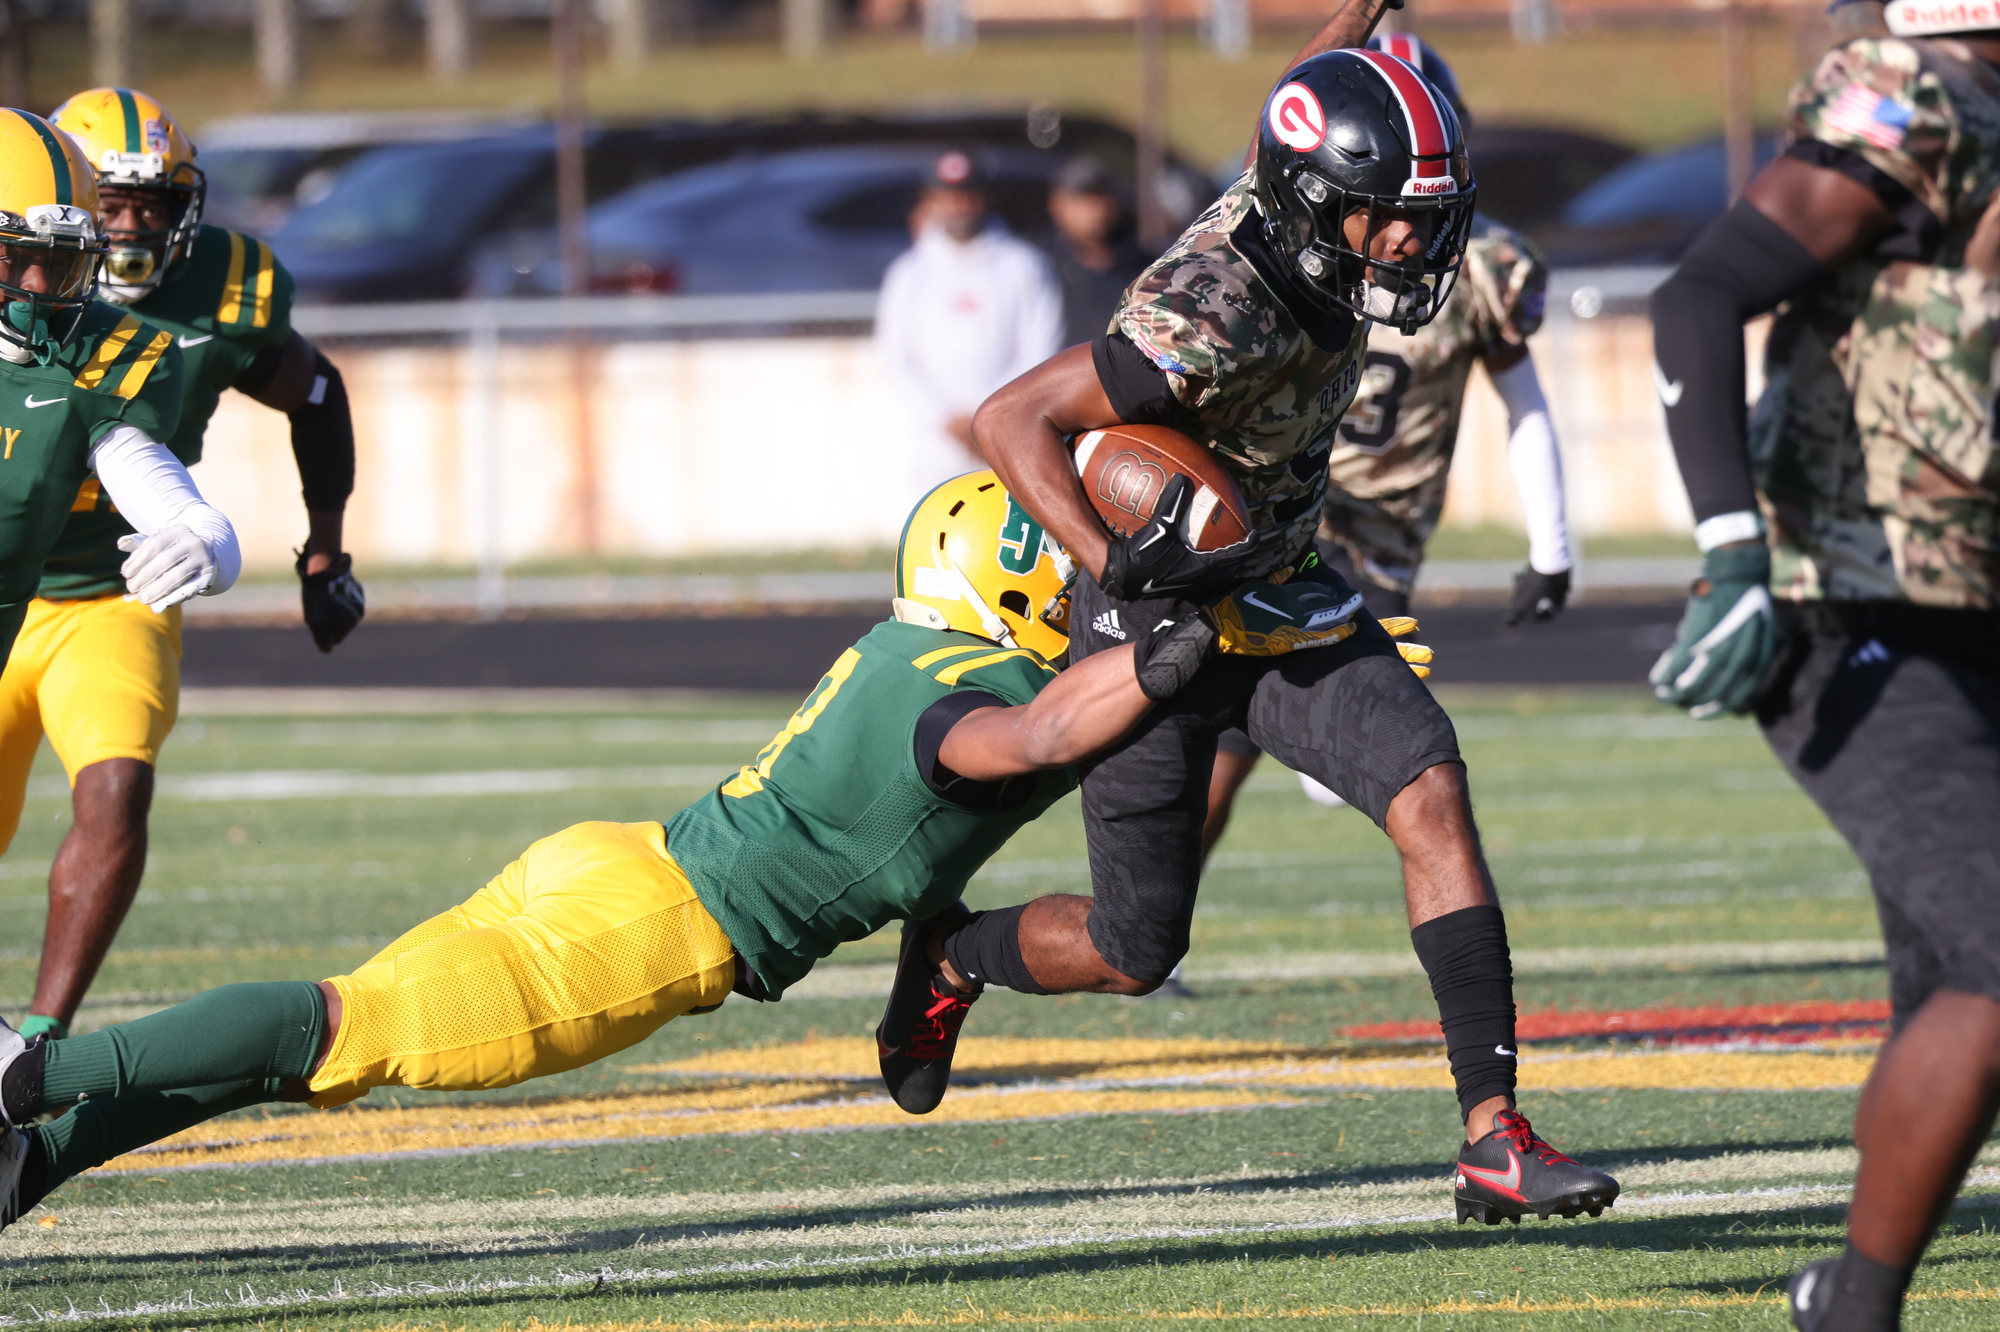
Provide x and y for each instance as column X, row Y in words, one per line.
column 1411, row 50
column 1361, row 132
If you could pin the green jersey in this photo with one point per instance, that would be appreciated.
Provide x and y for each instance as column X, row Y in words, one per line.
column 228, row 301
column 833, row 832
column 116, row 370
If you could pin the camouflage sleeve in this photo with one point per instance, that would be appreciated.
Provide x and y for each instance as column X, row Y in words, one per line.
column 1874, row 98
column 1172, row 342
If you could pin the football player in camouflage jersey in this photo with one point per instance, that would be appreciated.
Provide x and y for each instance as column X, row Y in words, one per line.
column 86, row 394
column 925, row 747
column 1248, row 335
column 1388, row 468
column 1848, row 591
column 98, row 676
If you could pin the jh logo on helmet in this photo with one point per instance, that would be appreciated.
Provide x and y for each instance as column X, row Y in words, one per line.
column 1297, row 119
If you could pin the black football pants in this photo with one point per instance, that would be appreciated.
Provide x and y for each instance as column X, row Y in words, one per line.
column 1889, row 716
column 1352, row 716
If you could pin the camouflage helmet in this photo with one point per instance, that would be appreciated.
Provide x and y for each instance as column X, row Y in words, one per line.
column 1352, row 132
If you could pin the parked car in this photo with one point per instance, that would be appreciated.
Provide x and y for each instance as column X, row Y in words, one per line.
column 1527, row 174
column 827, row 219
column 403, row 221
column 1647, row 211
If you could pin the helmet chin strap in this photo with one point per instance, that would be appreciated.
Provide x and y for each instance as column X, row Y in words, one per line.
column 996, row 628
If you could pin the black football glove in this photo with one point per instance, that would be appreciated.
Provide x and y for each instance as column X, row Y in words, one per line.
column 1538, row 596
column 1168, row 657
column 333, row 599
column 1158, row 560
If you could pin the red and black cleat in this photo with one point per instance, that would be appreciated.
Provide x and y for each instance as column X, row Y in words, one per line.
column 919, row 1030
column 1511, row 1172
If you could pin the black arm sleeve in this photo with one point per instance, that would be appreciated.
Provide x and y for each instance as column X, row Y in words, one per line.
column 1138, row 389
column 323, row 440
column 933, row 726
column 1740, row 267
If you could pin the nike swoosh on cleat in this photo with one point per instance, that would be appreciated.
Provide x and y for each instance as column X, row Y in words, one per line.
column 46, row 402
column 187, row 341
column 1507, row 1183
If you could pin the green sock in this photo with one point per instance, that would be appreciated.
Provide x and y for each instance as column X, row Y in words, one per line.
column 236, row 1033
column 37, row 1024
column 98, row 1130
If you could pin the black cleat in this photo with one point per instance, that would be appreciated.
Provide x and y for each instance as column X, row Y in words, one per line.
column 1511, row 1172
column 1809, row 1297
column 919, row 1029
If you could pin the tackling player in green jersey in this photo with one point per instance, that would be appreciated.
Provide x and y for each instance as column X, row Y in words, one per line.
column 927, row 745
column 86, row 393
column 103, row 683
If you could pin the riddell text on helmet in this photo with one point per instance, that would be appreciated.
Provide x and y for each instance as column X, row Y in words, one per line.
column 1430, row 185
column 1916, row 18
column 1297, row 119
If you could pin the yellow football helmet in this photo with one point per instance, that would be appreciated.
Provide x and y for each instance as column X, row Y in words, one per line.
column 972, row 559
column 49, row 241
column 133, row 144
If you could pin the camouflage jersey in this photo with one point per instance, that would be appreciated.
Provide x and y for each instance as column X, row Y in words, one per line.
column 1264, row 395
column 831, row 832
column 114, row 371
column 1388, row 470
column 229, row 300
column 1873, row 442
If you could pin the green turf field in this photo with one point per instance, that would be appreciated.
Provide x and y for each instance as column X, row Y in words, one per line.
column 1648, row 861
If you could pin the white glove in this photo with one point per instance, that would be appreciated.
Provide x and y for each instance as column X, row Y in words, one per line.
column 168, row 567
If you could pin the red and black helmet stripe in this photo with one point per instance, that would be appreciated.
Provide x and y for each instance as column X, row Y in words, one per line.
column 1404, row 47
column 1432, row 125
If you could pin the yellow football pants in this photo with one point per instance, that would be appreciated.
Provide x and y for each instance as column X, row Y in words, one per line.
column 101, row 676
column 589, row 943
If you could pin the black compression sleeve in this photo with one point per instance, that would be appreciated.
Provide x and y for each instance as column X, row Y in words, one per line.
column 1138, row 389
column 932, row 727
column 323, row 440
column 1740, row 267
column 1465, row 955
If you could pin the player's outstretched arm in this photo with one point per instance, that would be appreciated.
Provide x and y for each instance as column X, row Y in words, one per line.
column 297, row 379
column 1089, row 707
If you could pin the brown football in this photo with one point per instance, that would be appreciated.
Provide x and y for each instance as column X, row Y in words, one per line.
column 1125, row 467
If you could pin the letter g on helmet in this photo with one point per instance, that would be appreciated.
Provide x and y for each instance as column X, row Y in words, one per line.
column 1364, row 132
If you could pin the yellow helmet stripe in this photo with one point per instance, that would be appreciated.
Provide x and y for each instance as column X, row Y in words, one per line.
column 106, row 353
column 130, row 107
column 58, row 160
column 135, row 377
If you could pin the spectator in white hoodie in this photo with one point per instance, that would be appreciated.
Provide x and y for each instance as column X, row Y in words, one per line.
column 963, row 311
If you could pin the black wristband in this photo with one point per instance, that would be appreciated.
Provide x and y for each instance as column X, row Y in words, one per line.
column 323, row 440
column 1168, row 657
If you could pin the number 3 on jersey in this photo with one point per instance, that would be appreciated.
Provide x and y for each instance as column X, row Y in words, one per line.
column 1370, row 423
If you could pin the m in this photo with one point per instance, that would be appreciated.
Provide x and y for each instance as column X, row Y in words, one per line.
column 926, row 745
column 963, row 311
column 1093, row 250
column 96, row 674
column 1247, row 335
column 1387, row 471
column 1849, row 576
column 86, row 393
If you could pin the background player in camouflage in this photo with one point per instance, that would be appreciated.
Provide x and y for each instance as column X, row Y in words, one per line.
column 1248, row 335
column 921, row 751
column 86, row 393
column 1850, row 570
column 101, row 681
column 1388, row 468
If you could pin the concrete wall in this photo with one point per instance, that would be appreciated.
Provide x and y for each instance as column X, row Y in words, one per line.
column 676, row 447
